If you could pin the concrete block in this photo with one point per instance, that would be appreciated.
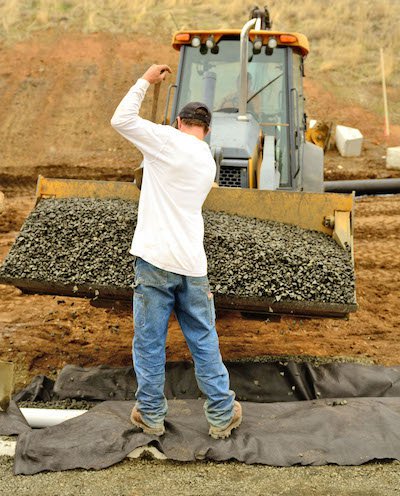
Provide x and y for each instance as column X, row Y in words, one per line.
column 393, row 158
column 312, row 123
column 348, row 141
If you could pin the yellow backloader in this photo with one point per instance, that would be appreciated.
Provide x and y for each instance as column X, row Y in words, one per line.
column 251, row 78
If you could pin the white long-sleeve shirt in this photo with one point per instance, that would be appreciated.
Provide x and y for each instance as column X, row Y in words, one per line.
column 178, row 174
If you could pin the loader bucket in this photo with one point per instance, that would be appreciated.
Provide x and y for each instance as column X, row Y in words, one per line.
column 329, row 213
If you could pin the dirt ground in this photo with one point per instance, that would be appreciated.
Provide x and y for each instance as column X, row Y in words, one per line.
column 144, row 477
column 58, row 94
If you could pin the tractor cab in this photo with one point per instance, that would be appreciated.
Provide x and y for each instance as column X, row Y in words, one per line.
column 251, row 79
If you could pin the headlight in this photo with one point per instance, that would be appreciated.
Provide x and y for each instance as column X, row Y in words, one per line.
column 210, row 42
column 196, row 42
column 257, row 45
column 272, row 43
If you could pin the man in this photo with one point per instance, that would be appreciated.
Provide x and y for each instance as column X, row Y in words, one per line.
column 171, row 265
column 232, row 99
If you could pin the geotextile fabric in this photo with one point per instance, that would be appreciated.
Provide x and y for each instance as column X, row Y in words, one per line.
column 12, row 422
column 41, row 388
column 349, row 414
column 315, row 432
column 252, row 381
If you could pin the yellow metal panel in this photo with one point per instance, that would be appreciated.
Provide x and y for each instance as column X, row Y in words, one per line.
column 342, row 230
column 306, row 210
column 69, row 188
column 253, row 164
column 250, row 173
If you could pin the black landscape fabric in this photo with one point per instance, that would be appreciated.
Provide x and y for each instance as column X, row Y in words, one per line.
column 83, row 241
column 12, row 422
column 41, row 388
column 255, row 381
column 316, row 432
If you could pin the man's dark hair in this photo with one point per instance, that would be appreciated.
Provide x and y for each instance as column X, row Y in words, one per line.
column 195, row 122
column 196, row 114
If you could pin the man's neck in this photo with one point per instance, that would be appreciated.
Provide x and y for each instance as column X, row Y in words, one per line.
column 195, row 131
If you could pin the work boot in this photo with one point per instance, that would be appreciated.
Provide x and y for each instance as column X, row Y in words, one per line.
column 226, row 431
column 137, row 420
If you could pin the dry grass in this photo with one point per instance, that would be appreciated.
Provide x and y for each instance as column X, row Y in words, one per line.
column 345, row 35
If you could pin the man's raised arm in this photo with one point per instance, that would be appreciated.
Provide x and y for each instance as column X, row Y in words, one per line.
column 144, row 134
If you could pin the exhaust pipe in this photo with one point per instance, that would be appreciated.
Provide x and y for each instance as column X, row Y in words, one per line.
column 244, row 43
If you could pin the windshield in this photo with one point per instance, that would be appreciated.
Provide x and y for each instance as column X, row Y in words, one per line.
column 264, row 71
column 215, row 80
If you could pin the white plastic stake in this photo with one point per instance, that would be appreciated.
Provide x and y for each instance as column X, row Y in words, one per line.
column 385, row 105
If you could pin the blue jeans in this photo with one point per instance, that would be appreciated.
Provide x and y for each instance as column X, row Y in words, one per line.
column 157, row 294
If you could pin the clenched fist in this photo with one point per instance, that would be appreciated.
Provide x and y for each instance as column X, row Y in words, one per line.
column 156, row 73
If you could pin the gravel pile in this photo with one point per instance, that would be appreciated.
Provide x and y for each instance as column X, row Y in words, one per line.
column 87, row 241
column 75, row 240
column 69, row 404
column 252, row 257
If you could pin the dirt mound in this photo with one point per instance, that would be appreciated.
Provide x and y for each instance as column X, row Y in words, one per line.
column 59, row 92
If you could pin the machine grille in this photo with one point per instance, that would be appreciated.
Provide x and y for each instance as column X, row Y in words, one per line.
column 230, row 177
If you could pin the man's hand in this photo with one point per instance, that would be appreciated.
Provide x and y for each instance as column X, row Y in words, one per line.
column 156, row 73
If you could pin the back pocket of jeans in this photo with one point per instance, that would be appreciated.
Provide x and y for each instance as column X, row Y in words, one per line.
column 149, row 275
column 199, row 281
column 139, row 310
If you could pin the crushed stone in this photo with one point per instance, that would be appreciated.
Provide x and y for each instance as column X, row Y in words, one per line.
column 146, row 476
column 87, row 241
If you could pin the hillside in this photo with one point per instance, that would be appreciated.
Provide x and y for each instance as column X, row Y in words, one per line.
column 345, row 36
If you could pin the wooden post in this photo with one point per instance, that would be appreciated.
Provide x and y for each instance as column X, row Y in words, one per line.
column 6, row 384
column 156, row 94
column 385, row 105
